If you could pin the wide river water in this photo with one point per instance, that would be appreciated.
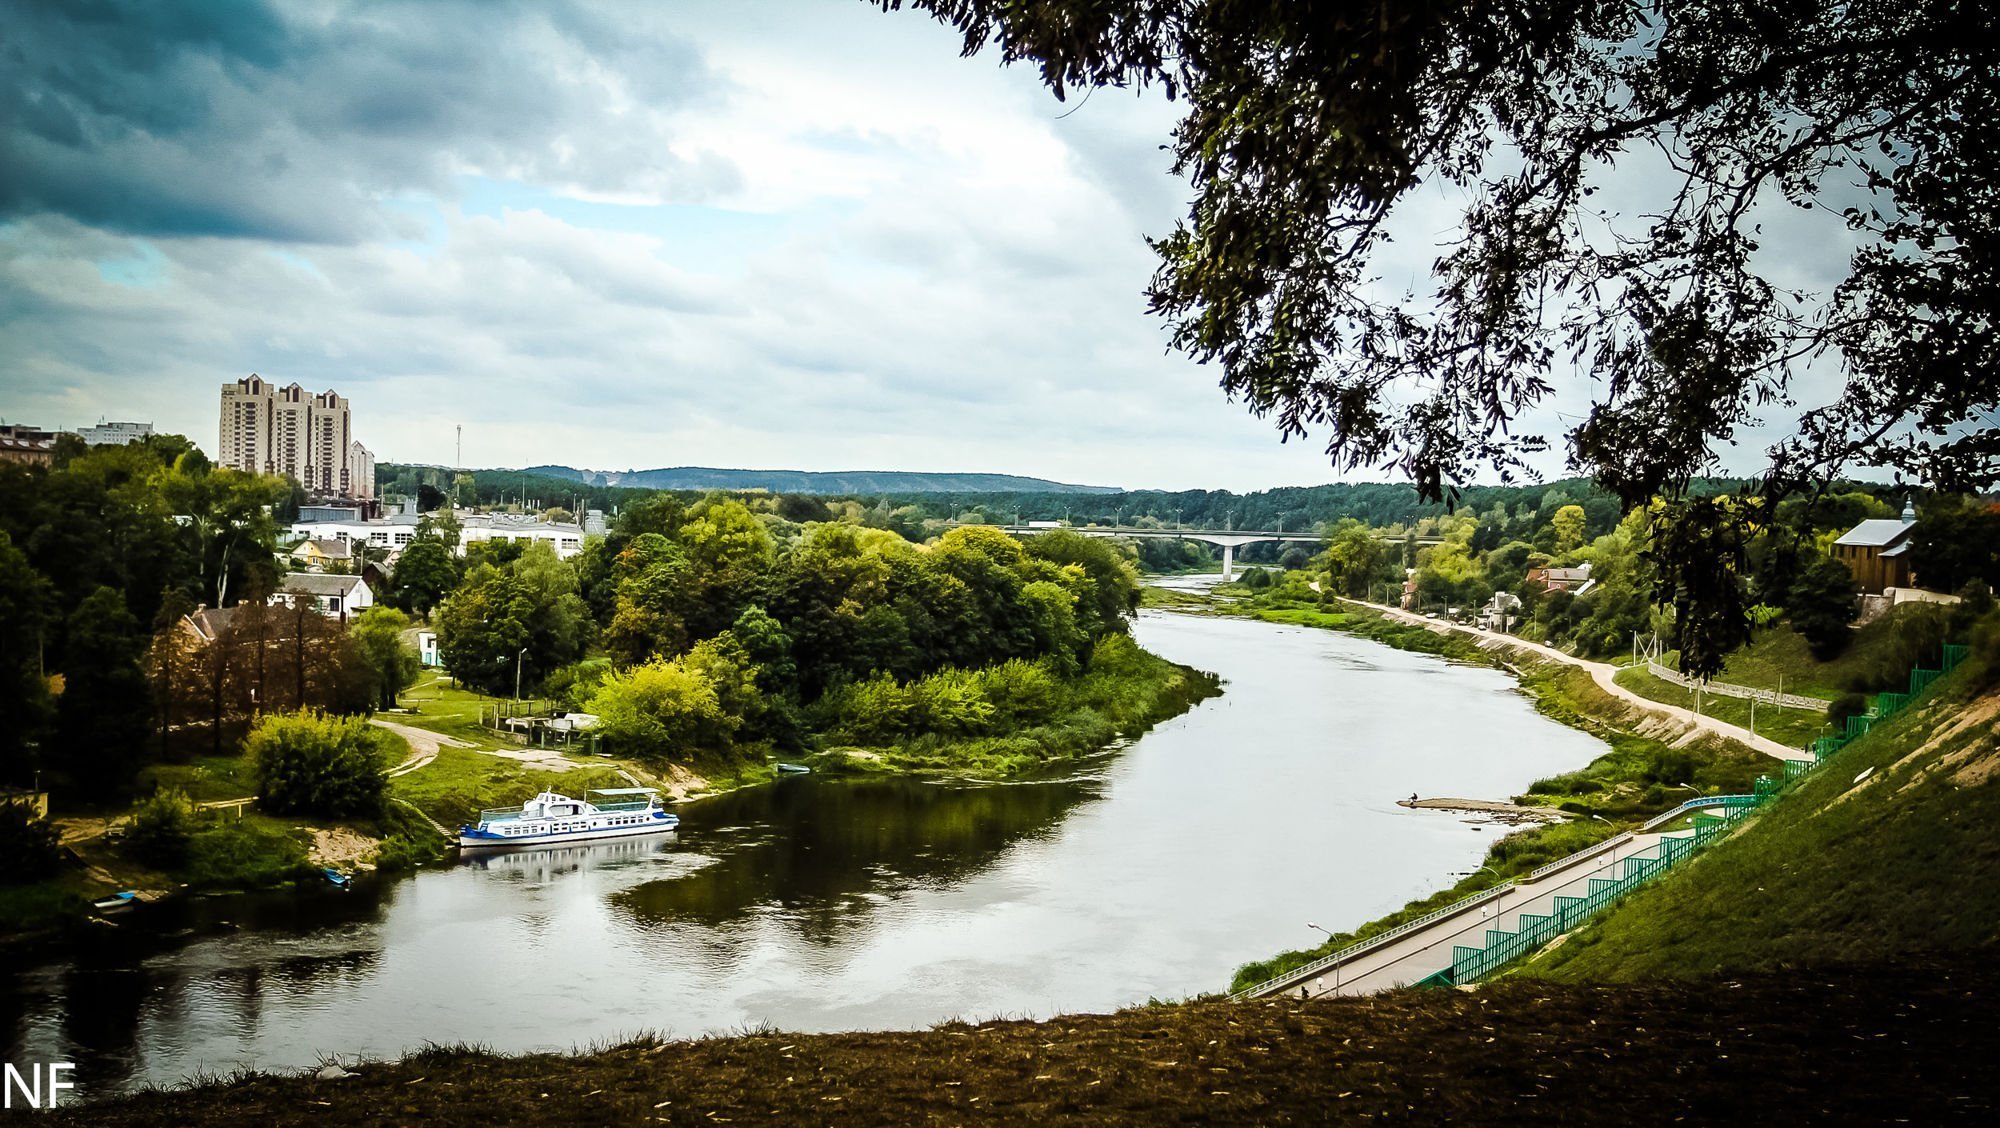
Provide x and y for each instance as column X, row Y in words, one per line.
column 830, row 905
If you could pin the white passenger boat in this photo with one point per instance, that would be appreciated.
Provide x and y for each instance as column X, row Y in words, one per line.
column 609, row 812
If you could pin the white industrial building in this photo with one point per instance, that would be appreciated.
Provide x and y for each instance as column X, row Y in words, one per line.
column 397, row 530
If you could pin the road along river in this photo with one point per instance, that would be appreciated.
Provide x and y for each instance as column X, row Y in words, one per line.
column 818, row 904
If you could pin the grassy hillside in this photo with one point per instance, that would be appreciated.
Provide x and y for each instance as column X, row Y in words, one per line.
column 1890, row 851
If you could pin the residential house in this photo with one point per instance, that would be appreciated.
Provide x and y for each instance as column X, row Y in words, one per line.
column 317, row 555
column 1501, row 612
column 1561, row 579
column 22, row 443
column 1877, row 551
column 332, row 596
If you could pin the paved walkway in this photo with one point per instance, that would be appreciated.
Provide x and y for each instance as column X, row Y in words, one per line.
column 424, row 744
column 1604, row 674
column 1428, row 950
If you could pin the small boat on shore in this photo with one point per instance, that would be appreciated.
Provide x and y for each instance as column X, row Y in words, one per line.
column 610, row 812
column 794, row 769
column 116, row 901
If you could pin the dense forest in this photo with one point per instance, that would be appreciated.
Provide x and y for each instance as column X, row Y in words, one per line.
column 726, row 624
column 136, row 622
column 106, row 558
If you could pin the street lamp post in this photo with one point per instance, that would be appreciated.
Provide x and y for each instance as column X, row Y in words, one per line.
column 518, row 658
column 1336, row 965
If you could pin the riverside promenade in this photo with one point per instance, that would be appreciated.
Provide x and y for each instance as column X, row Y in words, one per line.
column 1427, row 950
column 1426, row 947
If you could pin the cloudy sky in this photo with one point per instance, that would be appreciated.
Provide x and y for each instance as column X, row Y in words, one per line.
column 757, row 233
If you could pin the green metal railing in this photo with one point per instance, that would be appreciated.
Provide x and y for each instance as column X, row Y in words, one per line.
column 1534, row 930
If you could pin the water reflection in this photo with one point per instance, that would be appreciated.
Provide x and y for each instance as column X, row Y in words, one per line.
column 841, row 839
column 818, row 904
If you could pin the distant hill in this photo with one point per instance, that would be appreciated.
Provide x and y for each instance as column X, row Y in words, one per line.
column 813, row 482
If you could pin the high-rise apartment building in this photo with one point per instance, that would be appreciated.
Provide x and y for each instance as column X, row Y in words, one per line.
column 308, row 438
column 326, row 454
column 360, row 470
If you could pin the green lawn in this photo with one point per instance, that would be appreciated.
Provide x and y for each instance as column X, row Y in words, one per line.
column 442, row 706
column 454, row 787
column 1888, row 852
column 1778, row 653
column 205, row 779
column 1794, row 728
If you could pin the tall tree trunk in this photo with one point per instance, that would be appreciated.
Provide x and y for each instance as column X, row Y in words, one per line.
column 299, row 645
column 219, row 665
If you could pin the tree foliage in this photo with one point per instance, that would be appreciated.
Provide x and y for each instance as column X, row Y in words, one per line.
column 522, row 620
column 1956, row 543
column 1821, row 604
column 378, row 639
column 664, row 709
column 1623, row 166
column 30, row 847
column 310, row 763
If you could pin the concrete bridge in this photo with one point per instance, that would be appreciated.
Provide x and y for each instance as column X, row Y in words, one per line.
column 1229, row 539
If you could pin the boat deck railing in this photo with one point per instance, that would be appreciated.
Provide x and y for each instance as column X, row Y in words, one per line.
column 500, row 813
column 628, row 805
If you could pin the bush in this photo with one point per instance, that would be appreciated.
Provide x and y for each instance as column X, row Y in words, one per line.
column 1845, row 706
column 309, row 763
column 30, row 848
column 1669, row 765
column 245, row 853
column 1021, row 692
column 162, row 829
column 1822, row 604
column 573, row 685
column 661, row 709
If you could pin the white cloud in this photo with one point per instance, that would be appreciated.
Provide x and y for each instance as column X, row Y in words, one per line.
column 843, row 247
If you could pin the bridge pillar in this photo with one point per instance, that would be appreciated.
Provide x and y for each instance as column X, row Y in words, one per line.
column 1228, row 562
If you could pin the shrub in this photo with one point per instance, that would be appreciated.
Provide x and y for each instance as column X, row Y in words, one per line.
column 573, row 685
column 1021, row 692
column 1845, row 706
column 30, row 848
column 310, row 763
column 661, row 709
column 949, row 702
column 162, row 828
column 1669, row 765
column 245, row 853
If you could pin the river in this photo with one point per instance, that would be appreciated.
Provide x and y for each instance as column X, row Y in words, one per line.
column 818, row 904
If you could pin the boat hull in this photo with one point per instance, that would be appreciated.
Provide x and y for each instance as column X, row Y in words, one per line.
column 471, row 839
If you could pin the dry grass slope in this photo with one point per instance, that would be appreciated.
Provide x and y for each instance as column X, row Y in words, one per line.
column 1867, row 1045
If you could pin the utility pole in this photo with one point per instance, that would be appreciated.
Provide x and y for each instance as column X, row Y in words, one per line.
column 517, row 672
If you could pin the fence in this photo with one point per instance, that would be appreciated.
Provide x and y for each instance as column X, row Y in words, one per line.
column 1889, row 704
column 1534, row 929
column 1307, row 971
column 1726, row 689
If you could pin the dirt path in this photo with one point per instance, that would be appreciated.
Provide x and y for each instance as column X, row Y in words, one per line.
column 424, row 744
column 1604, row 674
